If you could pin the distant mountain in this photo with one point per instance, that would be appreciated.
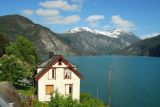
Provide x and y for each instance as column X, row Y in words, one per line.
column 43, row 38
column 146, row 47
column 87, row 41
column 77, row 41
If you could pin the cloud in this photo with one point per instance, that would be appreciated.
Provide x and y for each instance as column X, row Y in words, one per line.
column 51, row 15
column 59, row 4
column 63, row 20
column 79, row 2
column 50, row 12
column 93, row 20
column 47, row 12
column 149, row 35
column 27, row 12
column 122, row 24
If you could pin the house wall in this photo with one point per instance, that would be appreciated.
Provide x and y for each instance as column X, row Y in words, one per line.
column 59, row 83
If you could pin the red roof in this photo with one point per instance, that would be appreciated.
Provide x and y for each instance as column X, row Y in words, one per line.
column 48, row 66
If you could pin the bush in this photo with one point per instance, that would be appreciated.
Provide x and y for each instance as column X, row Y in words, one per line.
column 88, row 101
column 58, row 100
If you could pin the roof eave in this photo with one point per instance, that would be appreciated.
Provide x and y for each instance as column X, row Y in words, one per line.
column 37, row 77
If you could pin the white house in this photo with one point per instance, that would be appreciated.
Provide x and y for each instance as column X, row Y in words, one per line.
column 57, row 73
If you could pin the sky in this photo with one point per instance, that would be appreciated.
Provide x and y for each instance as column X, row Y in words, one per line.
column 138, row 16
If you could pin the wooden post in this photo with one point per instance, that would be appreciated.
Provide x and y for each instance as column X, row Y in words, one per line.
column 97, row 94
column 109, row 84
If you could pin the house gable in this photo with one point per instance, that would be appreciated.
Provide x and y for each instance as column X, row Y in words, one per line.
column 52, row 62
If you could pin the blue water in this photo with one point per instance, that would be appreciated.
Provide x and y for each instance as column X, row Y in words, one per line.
column 135, row 80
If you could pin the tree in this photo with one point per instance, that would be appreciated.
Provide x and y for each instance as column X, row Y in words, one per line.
column 13, row 69
column 3, row 42
column 23, row 49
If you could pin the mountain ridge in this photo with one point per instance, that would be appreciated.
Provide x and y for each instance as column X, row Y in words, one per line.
column 78, row 43
column 42, row 37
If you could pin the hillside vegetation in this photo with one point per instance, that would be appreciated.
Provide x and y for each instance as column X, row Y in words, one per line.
column 146, row 47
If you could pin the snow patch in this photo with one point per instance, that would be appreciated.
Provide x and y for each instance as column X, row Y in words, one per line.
column 79, row 29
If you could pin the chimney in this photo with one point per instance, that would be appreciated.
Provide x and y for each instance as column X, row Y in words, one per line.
column 51, row 54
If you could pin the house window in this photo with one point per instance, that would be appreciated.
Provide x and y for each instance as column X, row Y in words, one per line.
column 59, row 62
column 49, row 89
column 53, row 73
column 69, row 89
column 67, row 74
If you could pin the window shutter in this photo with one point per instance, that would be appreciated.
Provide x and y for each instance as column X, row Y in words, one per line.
column 49, row 89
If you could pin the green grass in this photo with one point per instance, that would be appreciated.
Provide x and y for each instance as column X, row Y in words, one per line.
column 36, row 103
column 27, row 92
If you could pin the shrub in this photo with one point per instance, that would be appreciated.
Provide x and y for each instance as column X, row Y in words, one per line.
column 58, row 100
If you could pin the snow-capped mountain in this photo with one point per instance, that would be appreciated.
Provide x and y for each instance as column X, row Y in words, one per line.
column 79, row 29
column 87, row 41
column 114, row 33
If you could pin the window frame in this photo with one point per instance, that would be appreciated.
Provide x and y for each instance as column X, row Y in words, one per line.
column 54, row 70
column 70, row 73
column 70, row 85
column 60, row 63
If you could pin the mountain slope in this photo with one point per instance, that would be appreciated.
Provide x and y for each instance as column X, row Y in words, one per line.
column 78, row 41
column 43, row 38
column 147, row 47
column 93, row 42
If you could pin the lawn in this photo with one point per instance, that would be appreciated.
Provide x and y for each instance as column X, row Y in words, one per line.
column 26, row 91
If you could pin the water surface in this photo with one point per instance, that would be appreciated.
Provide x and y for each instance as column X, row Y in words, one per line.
column 135, row 80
